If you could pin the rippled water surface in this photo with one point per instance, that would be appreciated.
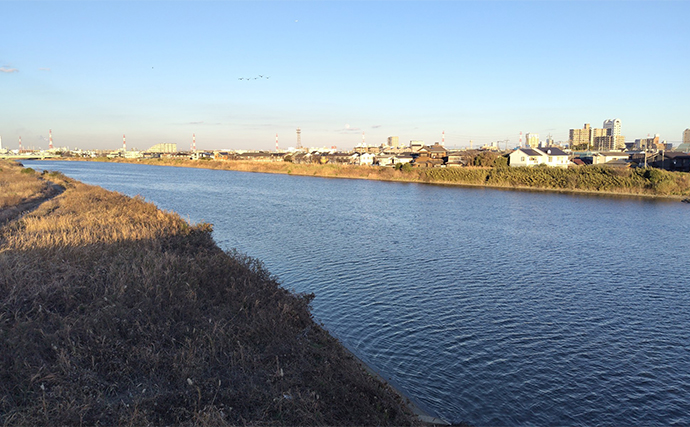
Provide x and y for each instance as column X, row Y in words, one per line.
column 485, row 306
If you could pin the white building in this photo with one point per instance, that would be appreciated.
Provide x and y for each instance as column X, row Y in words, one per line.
column 551, row 156
column 613, row 127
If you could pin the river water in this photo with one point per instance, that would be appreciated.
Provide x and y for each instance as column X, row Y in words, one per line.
column 485, row 306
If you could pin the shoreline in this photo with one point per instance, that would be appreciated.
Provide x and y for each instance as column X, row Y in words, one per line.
column 161, row 326
column 422, row 415
column 345, row 173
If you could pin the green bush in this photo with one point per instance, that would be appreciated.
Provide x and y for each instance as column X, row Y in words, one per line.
column 27, row 170
column 588, row 178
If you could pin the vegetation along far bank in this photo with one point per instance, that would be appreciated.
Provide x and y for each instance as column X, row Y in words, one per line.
column 114, row 312
column 587, row 179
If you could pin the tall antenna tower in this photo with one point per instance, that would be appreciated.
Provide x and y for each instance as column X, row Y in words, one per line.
column 299, row 138
column 50, row 139
column 276, row 142
column 193, row 143
column 124, row 143
column 443, row 138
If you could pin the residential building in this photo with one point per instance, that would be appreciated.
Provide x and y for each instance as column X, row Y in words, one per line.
column 430, row 157
column 605, row 142
column 647, row 143
column 550, row 156
column 393, row 141
column 532, row 140
column 580, row 137
column 613, row 127
column 455, row 159
column 416, row 145
column 363, row 159
column 385, row 160
column 608, row 138
column 606, row 157
column 685, row 145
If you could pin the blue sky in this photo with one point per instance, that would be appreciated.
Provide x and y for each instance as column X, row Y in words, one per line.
column 483, row 71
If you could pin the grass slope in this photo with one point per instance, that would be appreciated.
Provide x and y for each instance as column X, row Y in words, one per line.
column 115, row 313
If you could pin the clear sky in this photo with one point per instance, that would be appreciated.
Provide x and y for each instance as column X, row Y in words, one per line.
column 483, row 71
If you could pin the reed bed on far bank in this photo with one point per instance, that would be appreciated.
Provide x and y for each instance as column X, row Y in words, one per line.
column 591, row 179
column 596, row 179
column 115, row 313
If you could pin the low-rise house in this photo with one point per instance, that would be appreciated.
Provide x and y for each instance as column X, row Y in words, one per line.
column 549, row 156
column 386, row 160
column 670, row 161
column 337, row 157
column 606, row 157
column 430, row 157
column 676, row 161
column 366, row 159
column 455, row 159
column 403, row 158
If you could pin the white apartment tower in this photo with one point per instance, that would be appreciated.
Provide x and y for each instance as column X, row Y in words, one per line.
column 532, row 140
column 613, row 127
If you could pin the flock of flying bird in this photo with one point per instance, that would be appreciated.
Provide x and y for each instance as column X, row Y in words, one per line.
column 254, row 78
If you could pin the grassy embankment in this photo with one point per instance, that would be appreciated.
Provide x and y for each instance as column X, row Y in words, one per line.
column 114, row 312
column 589, row 179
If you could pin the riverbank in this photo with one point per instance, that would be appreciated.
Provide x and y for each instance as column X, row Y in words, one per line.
column 114, row 312
column 599, row 180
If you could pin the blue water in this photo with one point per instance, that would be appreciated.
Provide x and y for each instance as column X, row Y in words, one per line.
column 485, row 306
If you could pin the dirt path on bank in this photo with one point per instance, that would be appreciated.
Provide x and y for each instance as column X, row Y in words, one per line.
column 14, row 212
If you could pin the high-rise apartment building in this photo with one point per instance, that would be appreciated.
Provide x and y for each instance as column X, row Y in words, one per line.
column 608, row 138
column 613, row 128
column 580, row 137
column 685, row 145
column 393, row 141
column 532, row 140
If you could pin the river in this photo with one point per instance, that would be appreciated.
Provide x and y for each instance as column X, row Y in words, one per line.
column 487, row 306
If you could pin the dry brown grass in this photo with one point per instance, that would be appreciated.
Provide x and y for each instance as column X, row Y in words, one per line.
column 17, row 186
column 114, row 313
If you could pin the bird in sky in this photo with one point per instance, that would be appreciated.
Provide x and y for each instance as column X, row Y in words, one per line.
column 261, row 76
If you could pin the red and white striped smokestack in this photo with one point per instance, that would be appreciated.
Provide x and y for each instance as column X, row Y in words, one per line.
column 124, row 143
column 20, row 143
column 193, row 142
column 443, row 138
column 520, row 139
column 276, row 142
column 363, row 139
column 50, row 139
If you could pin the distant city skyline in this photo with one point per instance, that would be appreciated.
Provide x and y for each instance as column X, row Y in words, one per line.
column 236, row 73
